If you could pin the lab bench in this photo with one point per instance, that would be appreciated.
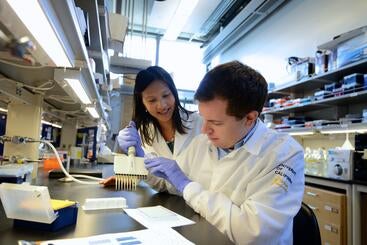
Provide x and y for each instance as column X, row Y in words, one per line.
column 111, row 221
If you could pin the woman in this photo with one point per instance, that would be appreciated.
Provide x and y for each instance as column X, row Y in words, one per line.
column 165, row 127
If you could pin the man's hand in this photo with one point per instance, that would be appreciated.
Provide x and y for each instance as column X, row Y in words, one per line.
column 169, row 170
column 129, row 136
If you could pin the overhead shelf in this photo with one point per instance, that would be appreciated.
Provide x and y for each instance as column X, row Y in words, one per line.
column 95, row 48
column 126, row 65
column 35, row 76
column 296, row 108
column 23, row 76
column 298, row 131
column 327, row 129
column 355, row 98
column 343, row 128
column 65, row 11
column 63, row 19
column 318, row 81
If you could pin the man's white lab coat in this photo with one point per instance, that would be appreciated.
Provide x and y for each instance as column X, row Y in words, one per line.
column 251, row 194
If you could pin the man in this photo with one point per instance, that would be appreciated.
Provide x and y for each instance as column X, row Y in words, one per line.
column 245, row 179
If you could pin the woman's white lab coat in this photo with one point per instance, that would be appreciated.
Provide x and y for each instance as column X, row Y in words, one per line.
column 160, row 147
column 253, row 193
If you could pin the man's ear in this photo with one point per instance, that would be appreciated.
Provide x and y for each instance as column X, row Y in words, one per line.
column 251, row 118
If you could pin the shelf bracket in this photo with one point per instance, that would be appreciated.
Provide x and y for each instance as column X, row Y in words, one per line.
column 16, row 93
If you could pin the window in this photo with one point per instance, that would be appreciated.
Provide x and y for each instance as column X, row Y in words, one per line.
column 139, row 48
column 183, row 60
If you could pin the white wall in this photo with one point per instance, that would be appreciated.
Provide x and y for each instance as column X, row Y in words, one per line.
column 295, row 30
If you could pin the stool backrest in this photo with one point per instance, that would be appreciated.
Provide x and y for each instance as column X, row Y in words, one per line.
column 305, row 227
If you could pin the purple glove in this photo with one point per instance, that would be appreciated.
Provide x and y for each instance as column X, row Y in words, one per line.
column 129, row 136
column 169, row 170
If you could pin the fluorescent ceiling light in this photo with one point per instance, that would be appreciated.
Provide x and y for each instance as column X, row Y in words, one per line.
column 179, row 19
column 3, row 110
column 52, row 124
column 76, row 85
column 93, row 112
column 34, row 18
column 301, row 133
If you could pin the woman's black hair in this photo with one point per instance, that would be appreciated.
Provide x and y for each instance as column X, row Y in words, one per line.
column 141, row 116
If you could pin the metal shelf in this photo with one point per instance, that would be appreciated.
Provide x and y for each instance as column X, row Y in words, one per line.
column 298, row 131
column 95, row 49
column 126, row 65
column 318, row 81
column 351, row 128
column 62, row 16
column 34, row 76
column 354, row 127
column 355, row 97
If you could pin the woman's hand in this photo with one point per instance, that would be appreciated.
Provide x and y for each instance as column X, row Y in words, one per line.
column 108, row 182
column 129, row 136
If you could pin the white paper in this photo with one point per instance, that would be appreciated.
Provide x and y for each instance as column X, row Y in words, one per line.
column 149, row 236
column 157, row 216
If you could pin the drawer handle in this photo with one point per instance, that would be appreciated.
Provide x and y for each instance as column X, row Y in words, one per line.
column 313, row 208
column 311, row 194
column 331, row 209
column 331, row 228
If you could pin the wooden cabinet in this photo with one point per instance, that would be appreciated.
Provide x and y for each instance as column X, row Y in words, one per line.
column 331, row 212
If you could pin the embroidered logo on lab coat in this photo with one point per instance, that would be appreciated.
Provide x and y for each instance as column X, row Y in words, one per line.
column 283, row 176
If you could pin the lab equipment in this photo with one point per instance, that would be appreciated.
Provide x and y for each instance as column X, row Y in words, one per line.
column 316, row 162
column 31, row 207
column 360, row 166
column 129, row 170
column 104, row 203
column 353, row 83
column 15, row 139
column 129, row 136
column 364, row 116
column 23, row 140
column 340, row 163
column 18, row 47
column 16, row 173
column 20, row 155
column 302, row 67
column 321, row 61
